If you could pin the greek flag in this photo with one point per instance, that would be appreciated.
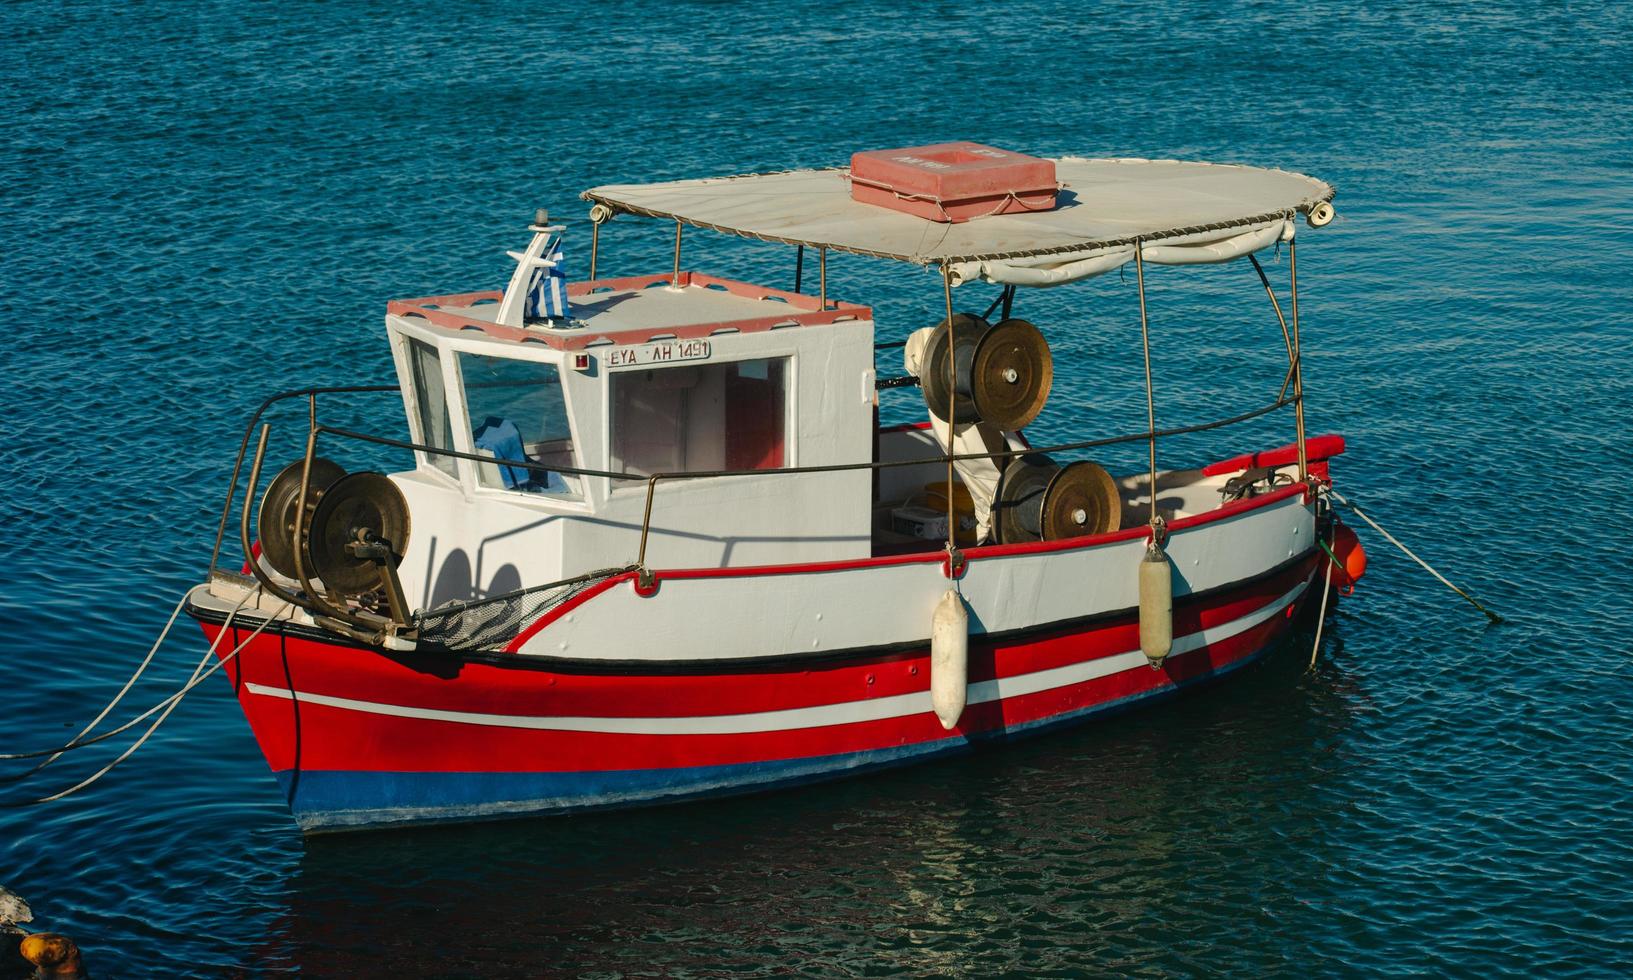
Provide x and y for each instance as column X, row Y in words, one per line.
column 547, row 290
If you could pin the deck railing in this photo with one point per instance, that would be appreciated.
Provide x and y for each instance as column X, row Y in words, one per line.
column 317, row 429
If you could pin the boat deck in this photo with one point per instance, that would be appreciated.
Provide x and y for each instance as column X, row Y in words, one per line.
column 1180, row 493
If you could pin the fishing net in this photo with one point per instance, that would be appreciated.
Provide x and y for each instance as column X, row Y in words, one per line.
column 491, row 623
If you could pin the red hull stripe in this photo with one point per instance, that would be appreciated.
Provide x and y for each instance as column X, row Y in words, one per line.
column 529, row 686
column 871, row 709
column 308, row 737
column 335, row 799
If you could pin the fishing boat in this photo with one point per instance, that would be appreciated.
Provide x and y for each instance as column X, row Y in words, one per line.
column 655, row 544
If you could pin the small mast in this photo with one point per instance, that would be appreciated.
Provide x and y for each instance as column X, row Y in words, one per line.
column 538, row 256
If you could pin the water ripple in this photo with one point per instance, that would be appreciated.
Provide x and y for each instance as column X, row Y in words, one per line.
column 206, row 203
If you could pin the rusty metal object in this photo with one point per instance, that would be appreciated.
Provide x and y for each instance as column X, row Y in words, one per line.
column 53, row 955
column 1017, row 510
column 1040, row 500
column 951, row 348
column 1081, row 499
column 276, row 524
column 359, row 526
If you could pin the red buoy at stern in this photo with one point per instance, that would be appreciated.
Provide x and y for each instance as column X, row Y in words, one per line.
column 1346, row 547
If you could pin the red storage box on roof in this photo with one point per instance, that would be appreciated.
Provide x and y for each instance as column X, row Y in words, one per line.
column 953, row 182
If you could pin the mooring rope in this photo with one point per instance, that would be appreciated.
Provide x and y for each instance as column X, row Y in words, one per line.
column 1408, row 553
column 79, row 741
column 169, row 705
column 140, row 669
column 1326, row 590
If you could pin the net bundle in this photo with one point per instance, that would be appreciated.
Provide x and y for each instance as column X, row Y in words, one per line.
column 491, row 623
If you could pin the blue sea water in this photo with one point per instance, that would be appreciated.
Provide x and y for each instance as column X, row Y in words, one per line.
column 202, row 203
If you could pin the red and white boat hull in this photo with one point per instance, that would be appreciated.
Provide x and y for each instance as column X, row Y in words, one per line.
column 360, row 737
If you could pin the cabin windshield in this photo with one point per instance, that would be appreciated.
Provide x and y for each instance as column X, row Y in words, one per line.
column 517, row 411
column 431, row 405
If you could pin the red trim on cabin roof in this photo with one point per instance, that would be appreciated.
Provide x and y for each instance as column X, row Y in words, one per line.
column 457, row 299
column 428, row 308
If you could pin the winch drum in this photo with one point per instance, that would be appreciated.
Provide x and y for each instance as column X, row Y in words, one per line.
column 361, row 523
column 1041, row 500
column 276, row 522
column 1001, row 374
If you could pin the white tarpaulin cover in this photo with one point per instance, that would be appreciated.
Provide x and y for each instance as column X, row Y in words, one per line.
column 979, row 476
column 1181, row 212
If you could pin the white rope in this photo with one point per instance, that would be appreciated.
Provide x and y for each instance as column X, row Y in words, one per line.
column 127, row 726
column 199, row 676
column 133, row 722
column 1326, row 588
column 141, row 668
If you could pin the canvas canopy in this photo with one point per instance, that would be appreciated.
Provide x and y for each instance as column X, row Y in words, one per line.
column 1180, row 213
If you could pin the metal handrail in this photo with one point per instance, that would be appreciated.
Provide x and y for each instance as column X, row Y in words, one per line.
column 243, row 447
column 1063, row 447
column 316, row 429
column 652, row 479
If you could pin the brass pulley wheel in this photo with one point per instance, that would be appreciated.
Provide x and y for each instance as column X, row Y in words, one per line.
column 1082, row 499
column 276, row 522
column 936, row 379
column 1010, row 375
column 361, row 523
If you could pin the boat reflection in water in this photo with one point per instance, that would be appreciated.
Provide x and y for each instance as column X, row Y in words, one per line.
column 1053, row 853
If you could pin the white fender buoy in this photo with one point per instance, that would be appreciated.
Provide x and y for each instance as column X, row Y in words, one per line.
column 949, row 658
column 1156, row 605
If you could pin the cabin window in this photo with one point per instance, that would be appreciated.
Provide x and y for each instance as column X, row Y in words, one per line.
column 431, row 402
column 517, row 411
column 698, row 417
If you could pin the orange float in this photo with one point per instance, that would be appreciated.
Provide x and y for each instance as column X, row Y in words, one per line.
column 1352, row 559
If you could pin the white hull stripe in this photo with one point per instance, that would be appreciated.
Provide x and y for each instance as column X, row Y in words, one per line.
column 817, row 716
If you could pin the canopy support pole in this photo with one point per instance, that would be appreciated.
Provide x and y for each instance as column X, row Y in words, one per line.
column 674, row 282
column 595, row 244
column 952, row 422
column 1286, row 338
column 1298, row 367
column 822, row 277
column 1150, row 400
column 799, row 266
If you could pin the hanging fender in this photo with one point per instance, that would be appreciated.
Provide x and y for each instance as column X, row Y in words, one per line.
column 1156, row 605
column 949, row 658
column 1352, row 559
